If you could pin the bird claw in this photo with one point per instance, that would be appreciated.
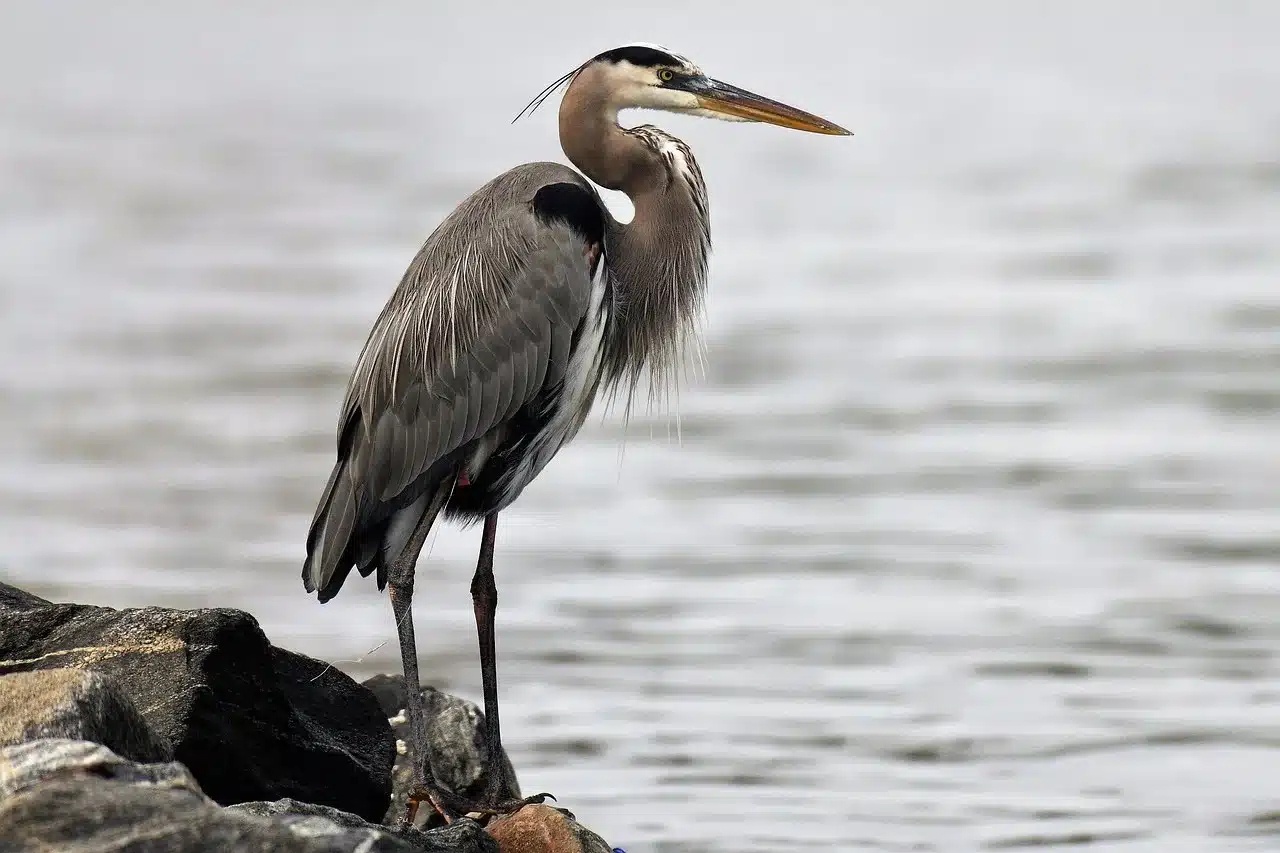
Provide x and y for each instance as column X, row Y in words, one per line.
column 512, row 806
column 451, row 806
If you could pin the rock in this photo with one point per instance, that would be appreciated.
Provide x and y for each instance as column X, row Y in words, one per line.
column 456, row 737
column 76, row 704
column 86, row 815
column 311, row 821
column 456, row 741
column 26, row 767
column 544, row 829
column 11, row 596
column 78, row 797
column 251, row 721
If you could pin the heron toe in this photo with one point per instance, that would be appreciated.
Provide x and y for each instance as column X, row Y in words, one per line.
column 451, row 806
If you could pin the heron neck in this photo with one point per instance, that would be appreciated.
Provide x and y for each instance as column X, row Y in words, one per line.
column 593, row 141
column 657, row 264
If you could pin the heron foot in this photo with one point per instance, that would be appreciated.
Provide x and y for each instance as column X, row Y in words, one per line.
column 444, row 803
column 451, row 806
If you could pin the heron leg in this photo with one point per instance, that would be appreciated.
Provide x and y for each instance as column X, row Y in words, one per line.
column 400, row 589
column 426, row 788
column 484, row 599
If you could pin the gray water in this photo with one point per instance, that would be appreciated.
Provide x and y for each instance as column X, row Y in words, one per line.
column 968, row 536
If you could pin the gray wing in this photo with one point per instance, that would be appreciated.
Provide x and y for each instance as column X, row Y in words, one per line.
column 481, row 322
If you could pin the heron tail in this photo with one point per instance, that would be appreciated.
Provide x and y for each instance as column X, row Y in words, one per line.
column 329, row 558
column 334, row 545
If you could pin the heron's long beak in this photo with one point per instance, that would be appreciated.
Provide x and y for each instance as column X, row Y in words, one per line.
column 735, row 103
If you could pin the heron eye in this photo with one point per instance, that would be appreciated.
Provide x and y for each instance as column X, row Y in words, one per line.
column 666, row 75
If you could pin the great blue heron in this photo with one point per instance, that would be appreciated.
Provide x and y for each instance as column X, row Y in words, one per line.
column 526, row 300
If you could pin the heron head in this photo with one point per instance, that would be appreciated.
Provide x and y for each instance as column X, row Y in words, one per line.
column 647, row 76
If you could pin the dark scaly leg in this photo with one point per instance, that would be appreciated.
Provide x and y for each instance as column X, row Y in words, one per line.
column 400, row 588
column 427, row 788
column 484, row 598
column 401, row 599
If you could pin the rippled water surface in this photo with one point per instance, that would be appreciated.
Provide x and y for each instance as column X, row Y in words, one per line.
column 970, row 536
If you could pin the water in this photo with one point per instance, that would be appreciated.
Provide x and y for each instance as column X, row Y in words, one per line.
column 969, row 539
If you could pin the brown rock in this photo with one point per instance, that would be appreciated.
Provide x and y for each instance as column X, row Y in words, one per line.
column 544, row 829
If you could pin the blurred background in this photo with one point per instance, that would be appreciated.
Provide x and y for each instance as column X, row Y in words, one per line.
column 969, row 535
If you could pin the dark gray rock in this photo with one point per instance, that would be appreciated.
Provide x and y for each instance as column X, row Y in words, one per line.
column 77, row 704
column 78, row 797
column 26, row 767
column 251, row 722
column 456, row 741
column 11, row 596
column 87, row 815
column 310, row 821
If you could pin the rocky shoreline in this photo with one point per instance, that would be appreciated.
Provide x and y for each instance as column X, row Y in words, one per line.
column 183, row 731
